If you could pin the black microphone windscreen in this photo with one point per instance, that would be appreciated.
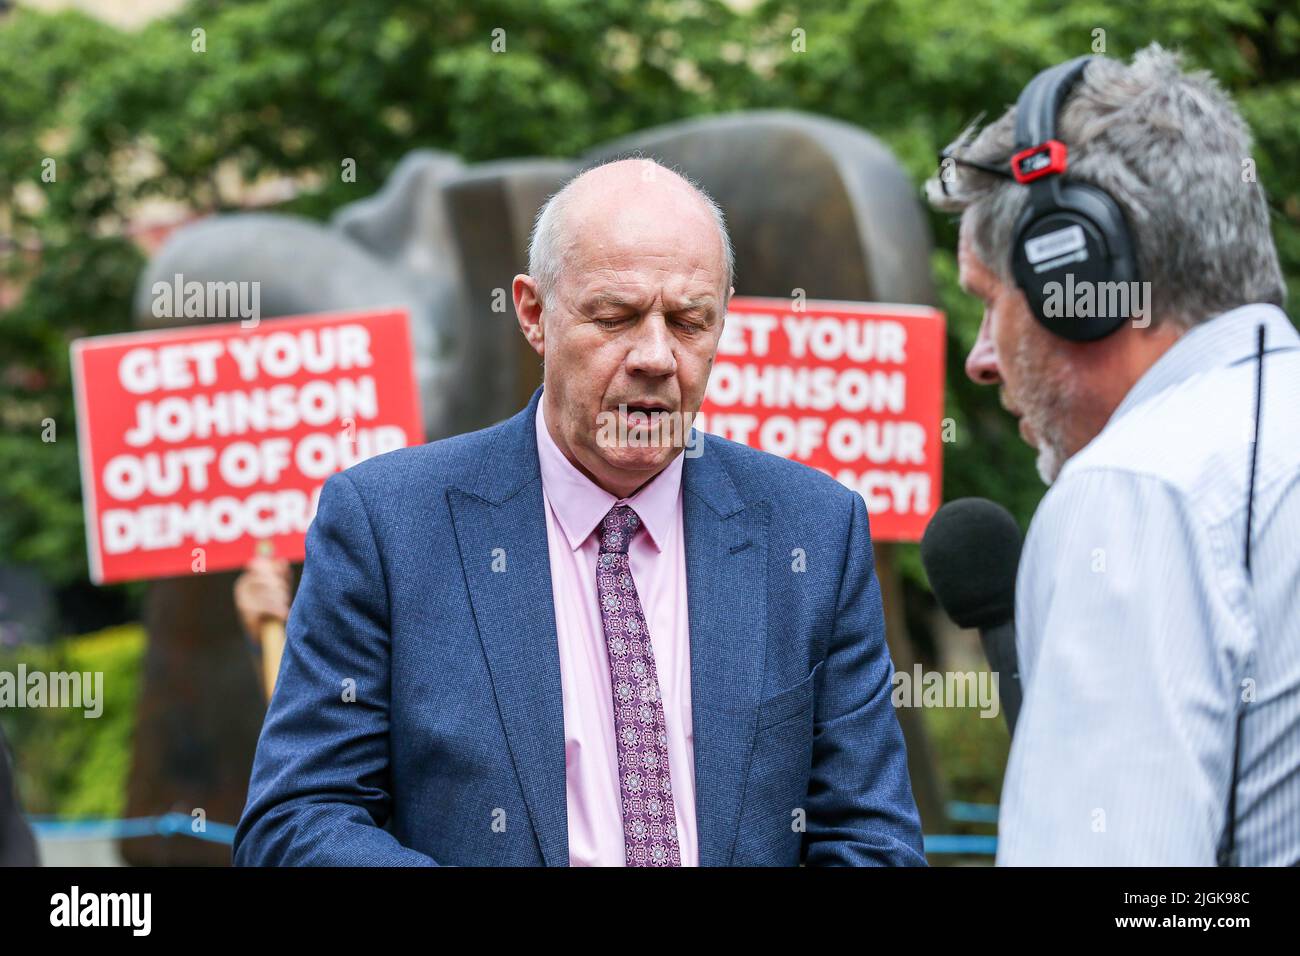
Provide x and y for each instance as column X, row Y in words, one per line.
column 970, row 550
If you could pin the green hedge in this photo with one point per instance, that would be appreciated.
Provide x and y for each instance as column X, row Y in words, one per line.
column 69, row 764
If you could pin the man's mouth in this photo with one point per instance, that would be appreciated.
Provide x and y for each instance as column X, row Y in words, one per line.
column 642, row 413
column 646, row 423
column 1022, row 424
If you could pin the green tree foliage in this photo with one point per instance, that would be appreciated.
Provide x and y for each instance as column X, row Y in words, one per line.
column 293, row 87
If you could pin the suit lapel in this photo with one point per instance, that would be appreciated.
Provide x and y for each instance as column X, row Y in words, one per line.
column 502, row 519
column 726, row 583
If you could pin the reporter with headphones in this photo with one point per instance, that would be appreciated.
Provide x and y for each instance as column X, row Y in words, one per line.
column 1133, row 324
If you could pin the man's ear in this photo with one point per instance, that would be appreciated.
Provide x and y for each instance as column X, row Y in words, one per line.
column 528, row 309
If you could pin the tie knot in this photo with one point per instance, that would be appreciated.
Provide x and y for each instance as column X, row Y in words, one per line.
column 617, row 529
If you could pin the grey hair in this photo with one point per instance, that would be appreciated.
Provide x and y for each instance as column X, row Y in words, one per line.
column 1170, row 148
column 550, row 243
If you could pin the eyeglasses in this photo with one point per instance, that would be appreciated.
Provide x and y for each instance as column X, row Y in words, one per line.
column 963, row 141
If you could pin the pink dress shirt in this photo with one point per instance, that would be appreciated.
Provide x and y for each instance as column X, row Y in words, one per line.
column 575, row 507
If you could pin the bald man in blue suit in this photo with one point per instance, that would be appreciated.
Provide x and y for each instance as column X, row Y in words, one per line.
column 420, row 712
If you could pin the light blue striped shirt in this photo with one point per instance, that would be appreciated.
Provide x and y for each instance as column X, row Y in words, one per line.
column 1139, row 631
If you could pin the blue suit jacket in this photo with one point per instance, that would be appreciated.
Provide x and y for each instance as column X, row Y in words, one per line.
column 418, row 715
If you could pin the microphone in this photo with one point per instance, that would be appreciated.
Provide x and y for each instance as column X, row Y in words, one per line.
column 970, row 551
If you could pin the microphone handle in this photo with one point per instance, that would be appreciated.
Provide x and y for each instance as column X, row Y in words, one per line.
column 1000, row 648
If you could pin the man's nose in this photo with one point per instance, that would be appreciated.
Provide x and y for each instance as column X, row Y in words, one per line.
column 982, row 362
column 652, row 352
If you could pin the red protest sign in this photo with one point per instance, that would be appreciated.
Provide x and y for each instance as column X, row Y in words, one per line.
column 198, row 443
column 852, row 389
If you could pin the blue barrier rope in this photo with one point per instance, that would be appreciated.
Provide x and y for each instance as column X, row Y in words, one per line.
column 169, row 824
column 965, row 845
column 973, row 812
column 180, row 824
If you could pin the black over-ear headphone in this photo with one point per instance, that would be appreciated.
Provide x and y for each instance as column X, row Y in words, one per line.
column 1068, row 227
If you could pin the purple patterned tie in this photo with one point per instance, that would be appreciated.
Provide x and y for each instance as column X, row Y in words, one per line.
column 649, row 818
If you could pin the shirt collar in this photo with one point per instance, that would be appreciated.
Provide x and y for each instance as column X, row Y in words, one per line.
column 580, row 504
column 1223, row 340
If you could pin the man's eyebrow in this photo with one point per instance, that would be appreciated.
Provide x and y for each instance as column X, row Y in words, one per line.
column 694, row 305
column 601, row 299
column 614, row 300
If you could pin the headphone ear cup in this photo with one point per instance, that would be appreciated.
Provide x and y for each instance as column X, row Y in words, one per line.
column 1080, row 240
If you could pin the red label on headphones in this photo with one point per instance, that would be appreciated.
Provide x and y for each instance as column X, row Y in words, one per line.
column 1039, row 161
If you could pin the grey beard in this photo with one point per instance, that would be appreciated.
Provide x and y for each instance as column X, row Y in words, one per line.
column 1044, row 400
column 1049, row 462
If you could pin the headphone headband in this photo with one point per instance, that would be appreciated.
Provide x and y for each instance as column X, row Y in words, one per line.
column 1040, row 102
